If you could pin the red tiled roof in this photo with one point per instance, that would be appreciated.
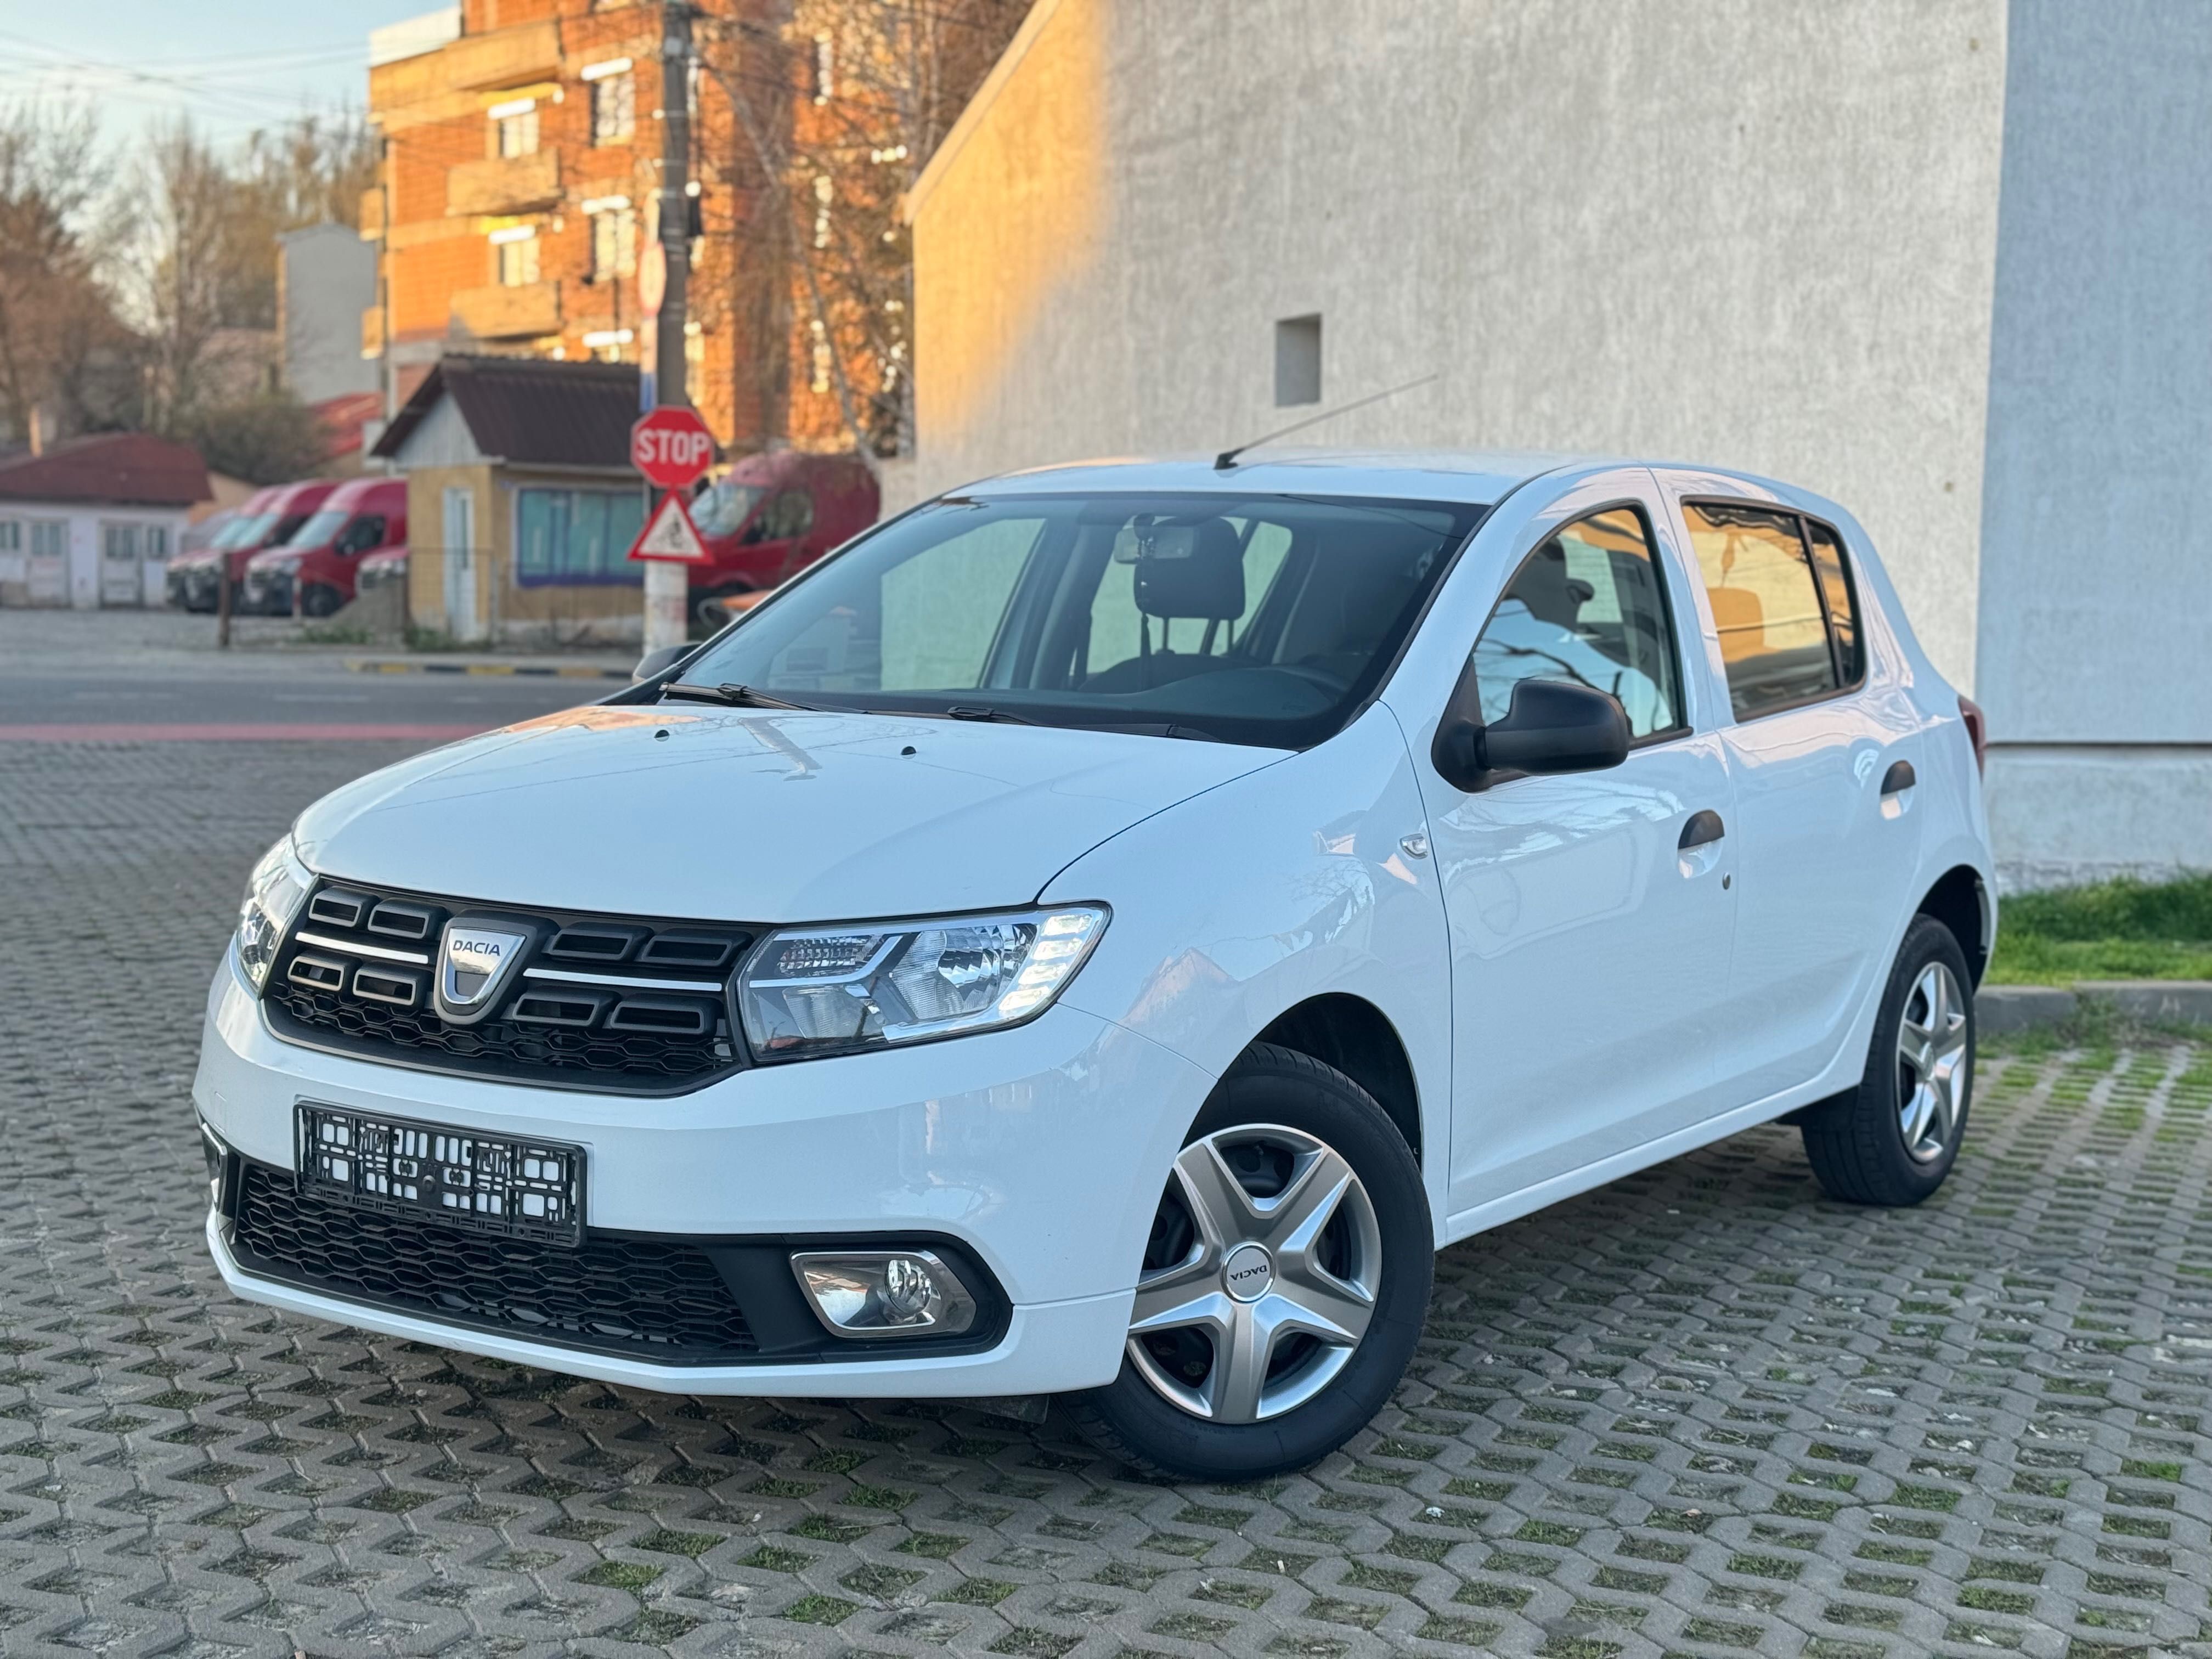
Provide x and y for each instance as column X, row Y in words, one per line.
column 127, row 469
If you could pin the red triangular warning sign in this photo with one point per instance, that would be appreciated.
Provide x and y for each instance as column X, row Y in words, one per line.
column 670, row 534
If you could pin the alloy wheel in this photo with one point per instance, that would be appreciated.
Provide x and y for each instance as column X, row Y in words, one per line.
column 1260, row 1277
column 1931, row 1063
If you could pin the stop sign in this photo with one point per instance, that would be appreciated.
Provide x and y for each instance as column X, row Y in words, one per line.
column 671, row 446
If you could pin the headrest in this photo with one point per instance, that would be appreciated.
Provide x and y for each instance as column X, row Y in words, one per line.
column 1197, row 572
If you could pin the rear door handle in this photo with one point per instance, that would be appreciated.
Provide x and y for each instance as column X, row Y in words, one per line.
column 1899, row 778
column 1703, row 826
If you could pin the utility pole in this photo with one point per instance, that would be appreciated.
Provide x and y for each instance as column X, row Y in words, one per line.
column 667, row 583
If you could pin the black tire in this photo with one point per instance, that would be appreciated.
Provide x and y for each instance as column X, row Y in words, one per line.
column 1857, row 1141
column 1131, row 1420
column 319, row 601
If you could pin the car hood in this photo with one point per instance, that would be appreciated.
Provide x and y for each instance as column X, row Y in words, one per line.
column 753, row 816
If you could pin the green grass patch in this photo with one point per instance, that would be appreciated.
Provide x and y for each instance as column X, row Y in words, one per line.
column 2118, row 929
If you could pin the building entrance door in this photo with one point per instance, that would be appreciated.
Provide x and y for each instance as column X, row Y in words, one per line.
column 461, row 564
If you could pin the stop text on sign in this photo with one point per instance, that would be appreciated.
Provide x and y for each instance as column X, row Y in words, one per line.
column 671, row 446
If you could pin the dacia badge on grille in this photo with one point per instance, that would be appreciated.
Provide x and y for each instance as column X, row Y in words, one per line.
column 476, row 958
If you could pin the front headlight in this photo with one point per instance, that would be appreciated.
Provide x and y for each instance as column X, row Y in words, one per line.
column 810, row 991
column 274, row 894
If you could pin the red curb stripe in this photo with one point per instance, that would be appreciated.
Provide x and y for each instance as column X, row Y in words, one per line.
column 233, row 731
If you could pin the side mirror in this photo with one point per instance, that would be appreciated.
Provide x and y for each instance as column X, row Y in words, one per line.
column 1550, row 726
column 655, row 663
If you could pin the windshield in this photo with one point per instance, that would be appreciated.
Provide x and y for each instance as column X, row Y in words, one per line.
column 723, row 507
column 320, row 529
column 1259, row 619
column 245, row 532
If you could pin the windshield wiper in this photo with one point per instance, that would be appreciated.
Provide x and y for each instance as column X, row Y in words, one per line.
column 973, row 712
column 739, row 696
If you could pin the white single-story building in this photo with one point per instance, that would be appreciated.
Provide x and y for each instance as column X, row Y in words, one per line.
column 91, row 522
column 1945, row 264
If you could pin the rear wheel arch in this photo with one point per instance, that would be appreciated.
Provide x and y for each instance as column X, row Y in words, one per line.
column 1960, row 900
column 1352, row 1036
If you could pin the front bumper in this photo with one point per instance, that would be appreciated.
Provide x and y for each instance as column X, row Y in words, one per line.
column 1041, row 1150
column 268, row 595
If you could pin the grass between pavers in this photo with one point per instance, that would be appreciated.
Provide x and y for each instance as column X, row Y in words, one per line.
column 2119, row 929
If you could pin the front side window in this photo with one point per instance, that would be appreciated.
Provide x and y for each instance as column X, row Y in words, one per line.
column 576, row 536
column 614, row 108
column 1587, row 607
column 1248, row 619
column 363, row 533
column 1768, row 606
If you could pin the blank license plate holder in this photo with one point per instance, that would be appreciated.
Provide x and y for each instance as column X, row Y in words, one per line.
column 501, row 1185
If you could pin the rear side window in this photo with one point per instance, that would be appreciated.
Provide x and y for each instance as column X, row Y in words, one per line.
column 1836, row 590
column 1782, row 603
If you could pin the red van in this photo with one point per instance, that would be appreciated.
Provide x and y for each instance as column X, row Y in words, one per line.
column 313, row 572
column 771, row 515
column 268, row 519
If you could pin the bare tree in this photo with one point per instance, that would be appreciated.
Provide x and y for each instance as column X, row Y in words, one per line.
column 57, row 331
column 196, row 260
column 839, row 104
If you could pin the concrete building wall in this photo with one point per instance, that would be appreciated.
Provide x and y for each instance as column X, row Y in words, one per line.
column 2096, row 612
column 1745, row 233
column 326, row 278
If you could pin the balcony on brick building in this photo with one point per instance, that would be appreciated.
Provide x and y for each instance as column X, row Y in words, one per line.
column 504, row 184
column 503, row 312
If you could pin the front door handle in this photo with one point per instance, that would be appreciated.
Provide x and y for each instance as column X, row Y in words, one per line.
column 1703, row 827
column 1899, row 778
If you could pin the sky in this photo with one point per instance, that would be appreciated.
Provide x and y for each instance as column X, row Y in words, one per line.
column 232, row 65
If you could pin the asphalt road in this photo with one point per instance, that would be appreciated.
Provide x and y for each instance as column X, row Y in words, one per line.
column 1701, row 1411
column 160, row 668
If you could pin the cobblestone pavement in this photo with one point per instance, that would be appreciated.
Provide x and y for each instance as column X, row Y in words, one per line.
column 1702, row 1411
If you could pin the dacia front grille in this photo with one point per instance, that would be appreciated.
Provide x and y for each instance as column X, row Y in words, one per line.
column 615, row 1004
column 660, row 1300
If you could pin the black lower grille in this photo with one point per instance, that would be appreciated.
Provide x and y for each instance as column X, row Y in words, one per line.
column 651, row 1299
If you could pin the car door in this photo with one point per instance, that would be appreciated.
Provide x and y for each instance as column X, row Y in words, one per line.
column 1822, row 742
column 1589, row 914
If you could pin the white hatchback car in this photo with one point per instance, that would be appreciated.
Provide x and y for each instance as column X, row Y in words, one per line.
column 1101, row 933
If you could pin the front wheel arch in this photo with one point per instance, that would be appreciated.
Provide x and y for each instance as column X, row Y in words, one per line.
column 1350, row 1034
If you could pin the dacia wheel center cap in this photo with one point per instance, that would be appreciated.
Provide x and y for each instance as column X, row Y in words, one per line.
column 1249, row 1273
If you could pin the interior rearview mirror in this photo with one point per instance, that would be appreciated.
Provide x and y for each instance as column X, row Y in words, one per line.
column 1550, row 726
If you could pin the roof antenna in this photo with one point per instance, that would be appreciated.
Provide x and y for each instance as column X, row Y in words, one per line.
column 1227, row 458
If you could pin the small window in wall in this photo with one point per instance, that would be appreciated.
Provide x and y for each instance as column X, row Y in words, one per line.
column 516, row 251
column 576, row 536
column 614, row 243
column 157, row 542
column 614, row 102
column 1298, row 361
column 49, row 537
column 11, row 536
column 514, row 127
column 1771, row 606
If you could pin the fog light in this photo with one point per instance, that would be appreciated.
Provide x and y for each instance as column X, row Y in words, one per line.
column 864, row 1294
